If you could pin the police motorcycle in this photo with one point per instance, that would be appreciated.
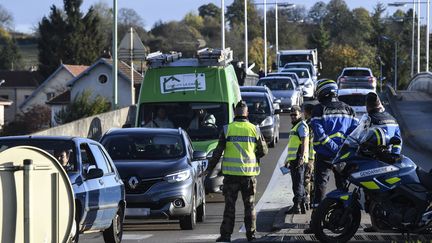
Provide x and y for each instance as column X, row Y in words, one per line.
column 397, row 193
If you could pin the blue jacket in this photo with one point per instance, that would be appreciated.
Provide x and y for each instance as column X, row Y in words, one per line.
column 331, row 122
column 390, row 126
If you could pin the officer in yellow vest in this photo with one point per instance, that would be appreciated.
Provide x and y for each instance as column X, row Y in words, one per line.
column 298, row 155
column 241, row 144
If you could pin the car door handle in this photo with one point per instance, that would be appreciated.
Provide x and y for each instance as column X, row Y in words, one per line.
column 101, row 181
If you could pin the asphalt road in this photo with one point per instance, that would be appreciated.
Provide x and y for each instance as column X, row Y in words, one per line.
column 169, row 231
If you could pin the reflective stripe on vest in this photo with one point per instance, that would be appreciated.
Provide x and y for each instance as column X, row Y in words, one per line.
column 239, row 154
column 294, row 144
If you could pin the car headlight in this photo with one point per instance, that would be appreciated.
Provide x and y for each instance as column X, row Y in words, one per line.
column 177, row 177
column 267, row 122
column 308, row 85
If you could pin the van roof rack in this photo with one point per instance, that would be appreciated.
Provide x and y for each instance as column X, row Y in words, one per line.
column 215, row 56
column 205, row 57
column 157, row 59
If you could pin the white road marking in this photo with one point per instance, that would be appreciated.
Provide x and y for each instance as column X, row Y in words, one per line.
column 201, row 237
column 136, row 236
column 270, row 185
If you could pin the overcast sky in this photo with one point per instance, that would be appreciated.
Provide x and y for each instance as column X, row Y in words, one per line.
column 26, row 17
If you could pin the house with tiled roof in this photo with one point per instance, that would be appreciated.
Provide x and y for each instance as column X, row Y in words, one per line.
column 16, row 88
column 98, row 80
column 54, row 85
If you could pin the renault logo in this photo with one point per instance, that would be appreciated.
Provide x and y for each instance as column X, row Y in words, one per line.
column 133, row 182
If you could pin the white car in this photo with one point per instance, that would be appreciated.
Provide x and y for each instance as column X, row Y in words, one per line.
column 307, row 65
column 305, row 81
column 356, row 98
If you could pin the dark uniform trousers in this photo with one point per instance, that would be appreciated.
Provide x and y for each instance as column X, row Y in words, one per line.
column 323, row 169
column 231, row 187
column 297, row 177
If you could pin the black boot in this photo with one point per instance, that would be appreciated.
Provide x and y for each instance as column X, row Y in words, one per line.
column 295, row 209
column 224, row 238
column 303, row 208
column 250, row 236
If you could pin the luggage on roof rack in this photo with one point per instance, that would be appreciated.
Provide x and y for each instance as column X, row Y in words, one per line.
column 215, row 57
column 157, row 59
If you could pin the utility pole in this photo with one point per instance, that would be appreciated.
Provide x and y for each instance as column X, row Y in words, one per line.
column 223, row 23
column 418, row 36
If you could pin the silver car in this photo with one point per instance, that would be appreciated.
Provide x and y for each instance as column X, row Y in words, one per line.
column 284, row 89
column 305, row 81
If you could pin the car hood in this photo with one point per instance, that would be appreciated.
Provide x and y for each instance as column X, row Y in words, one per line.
column 147, row 169
column 286, row 94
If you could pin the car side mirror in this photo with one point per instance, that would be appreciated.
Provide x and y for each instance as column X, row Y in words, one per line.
column 318, row 74
column 94, row 173
column 277, row 111
column 199, row 155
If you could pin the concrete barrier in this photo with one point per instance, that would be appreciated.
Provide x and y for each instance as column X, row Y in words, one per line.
column 421, row 82
column 95, row 126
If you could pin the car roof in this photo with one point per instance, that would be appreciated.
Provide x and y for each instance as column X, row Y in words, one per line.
column 131, row 130
column 354, row 91
column 303, row 69
column 275, row 77
column 258, row 88
column 60, row 138
column 357, row 68
column 298, row 63
column 253, row 94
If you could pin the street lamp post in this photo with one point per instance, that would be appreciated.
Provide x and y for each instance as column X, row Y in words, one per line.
column 114, row 56
column 427, row 36
column 418, row 36
column 223, row 23
column 265, row 37
column 246, row 36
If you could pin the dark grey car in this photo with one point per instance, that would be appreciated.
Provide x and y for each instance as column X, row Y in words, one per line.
column 263, row 114
column 163, row 175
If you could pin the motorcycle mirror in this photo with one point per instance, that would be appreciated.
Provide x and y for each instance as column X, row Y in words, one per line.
column 395, row 141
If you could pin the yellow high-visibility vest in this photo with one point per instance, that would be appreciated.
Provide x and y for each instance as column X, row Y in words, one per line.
column 294, row 143
column 239, row 155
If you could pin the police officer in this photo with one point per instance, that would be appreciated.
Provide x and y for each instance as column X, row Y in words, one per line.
column 242, row 145
column 298, row 153
column 382, row 119
column 332, row 120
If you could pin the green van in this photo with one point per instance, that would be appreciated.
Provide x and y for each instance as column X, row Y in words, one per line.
column 196, row 94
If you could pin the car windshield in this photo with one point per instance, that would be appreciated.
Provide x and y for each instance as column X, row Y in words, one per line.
column 353, row 99
column 257, row 105
column 276, row 84
column 202, row 121
column 356, row 73
column 284, row 59
column 309, row 67
column 55, row 147
column 142, row 146
column 300, row 73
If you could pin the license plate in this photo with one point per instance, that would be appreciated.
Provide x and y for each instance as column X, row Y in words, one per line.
column 137, row 211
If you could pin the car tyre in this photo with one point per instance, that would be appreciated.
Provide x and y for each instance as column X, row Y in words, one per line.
column 114, row 233
column 188, row 222
column 272, row 144
column 201, row 211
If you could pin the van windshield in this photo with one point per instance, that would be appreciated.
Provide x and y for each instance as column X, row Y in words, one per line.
column 284, row 59
column 202, row 120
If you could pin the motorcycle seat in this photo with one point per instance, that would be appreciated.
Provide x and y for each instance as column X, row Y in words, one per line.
column 425, row 178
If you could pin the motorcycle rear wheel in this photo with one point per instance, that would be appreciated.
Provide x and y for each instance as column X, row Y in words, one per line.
column 327, row 225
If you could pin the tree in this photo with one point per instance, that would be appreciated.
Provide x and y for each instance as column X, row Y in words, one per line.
column 36, row 118
column 82, row 106
column 317, row 12
column 256, row 54
column 6, row 18
column 69, row 36
column 210, row 10
column 235, row 16
column 320, row 38
column 338, row 21
column 10, row 58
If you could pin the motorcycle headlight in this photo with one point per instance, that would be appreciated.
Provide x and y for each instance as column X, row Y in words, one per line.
column 267, row 122
column 177, row 177
column 339, row 167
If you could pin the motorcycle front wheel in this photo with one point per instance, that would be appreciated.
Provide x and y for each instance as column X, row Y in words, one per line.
column 332, row 222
